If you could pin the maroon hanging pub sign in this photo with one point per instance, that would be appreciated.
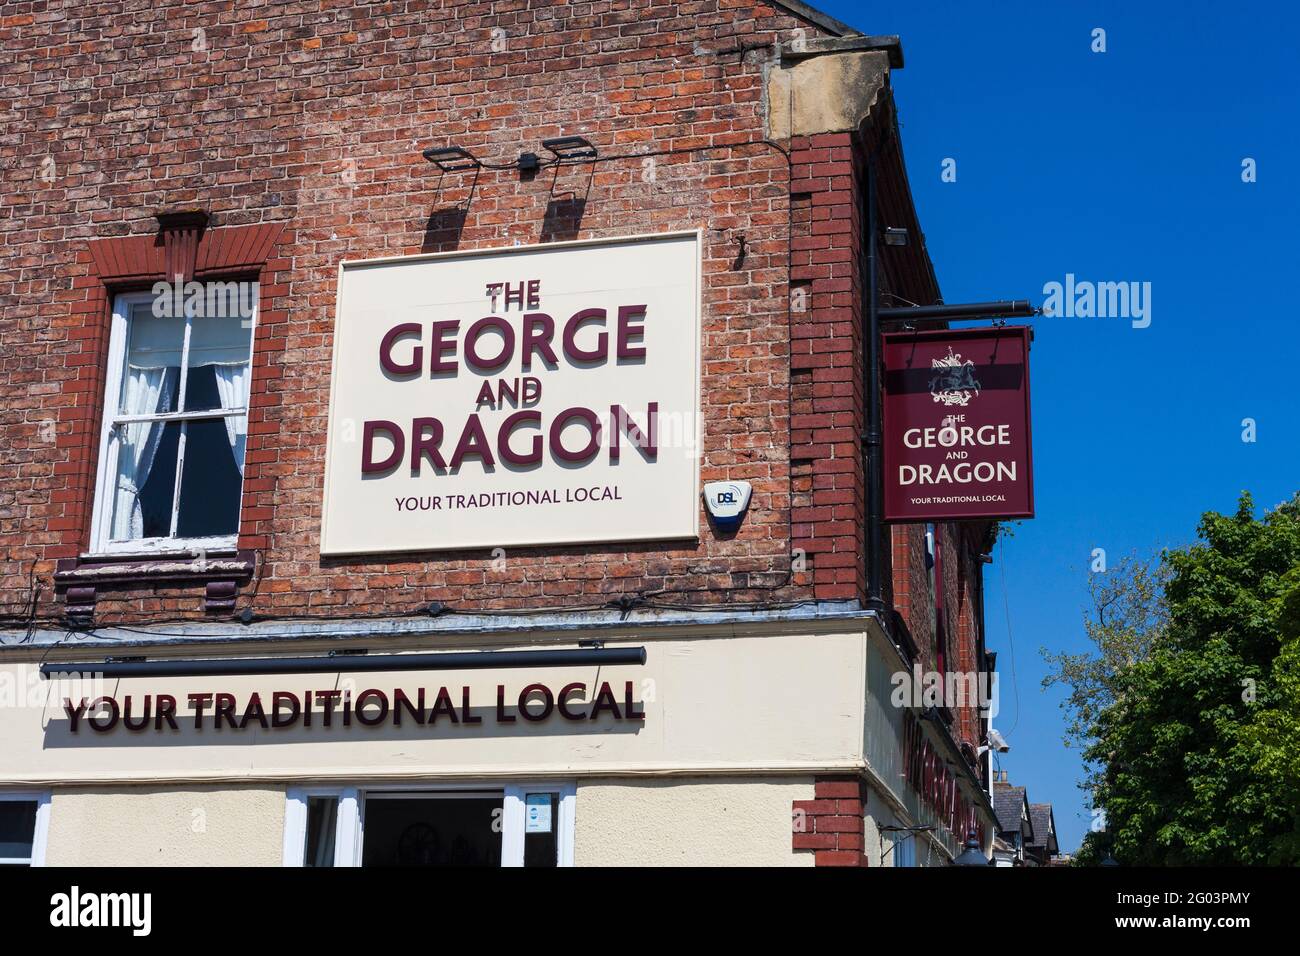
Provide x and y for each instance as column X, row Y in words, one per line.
column 956, row 425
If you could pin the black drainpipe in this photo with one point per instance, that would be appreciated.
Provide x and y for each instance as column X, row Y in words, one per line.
column 871, row 440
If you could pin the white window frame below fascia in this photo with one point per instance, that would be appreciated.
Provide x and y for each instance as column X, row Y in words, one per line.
column 348, row 837
column 40, row 832
column 347, row 826
column 513, row 819
column 106, row 467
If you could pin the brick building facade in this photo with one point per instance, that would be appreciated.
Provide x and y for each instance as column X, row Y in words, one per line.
column 269, row 142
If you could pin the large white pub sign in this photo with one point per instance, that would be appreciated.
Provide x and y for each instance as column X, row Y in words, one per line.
column 521, row 396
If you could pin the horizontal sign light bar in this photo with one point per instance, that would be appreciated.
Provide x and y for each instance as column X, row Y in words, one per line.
column 466, row 660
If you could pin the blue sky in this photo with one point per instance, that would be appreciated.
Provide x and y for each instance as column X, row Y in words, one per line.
column 1117, row 166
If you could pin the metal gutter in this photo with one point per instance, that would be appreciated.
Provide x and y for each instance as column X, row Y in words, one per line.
column 449, row 624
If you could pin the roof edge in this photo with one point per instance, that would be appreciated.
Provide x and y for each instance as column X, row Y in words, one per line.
column 813, row 15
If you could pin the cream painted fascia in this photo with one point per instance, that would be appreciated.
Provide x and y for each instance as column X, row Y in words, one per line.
column 828, row 93
column 721, row 702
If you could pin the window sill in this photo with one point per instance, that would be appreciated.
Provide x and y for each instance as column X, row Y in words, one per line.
column 143, row 549
column 81, row 579
column 189, row 555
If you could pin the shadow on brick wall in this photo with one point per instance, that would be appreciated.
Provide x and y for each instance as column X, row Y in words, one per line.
column 563, row 219
column 442, row 231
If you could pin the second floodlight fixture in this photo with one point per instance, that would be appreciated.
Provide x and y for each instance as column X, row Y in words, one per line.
column 451, row 159
column 569, row 149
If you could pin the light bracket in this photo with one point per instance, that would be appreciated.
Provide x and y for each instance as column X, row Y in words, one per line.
column 451, row 159
column 570, row 149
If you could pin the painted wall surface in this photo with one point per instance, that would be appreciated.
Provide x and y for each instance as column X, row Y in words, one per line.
column 878, row 813
column 537, row 395
column 741, row 821
column 689, row 822
column 191, row 826
column 884, row 726
column 712, row 702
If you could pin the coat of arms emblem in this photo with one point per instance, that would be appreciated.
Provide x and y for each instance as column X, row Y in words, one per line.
column 954, row 381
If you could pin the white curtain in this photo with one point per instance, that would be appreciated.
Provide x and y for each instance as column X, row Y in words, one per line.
column 148, row 390
column 232, row 387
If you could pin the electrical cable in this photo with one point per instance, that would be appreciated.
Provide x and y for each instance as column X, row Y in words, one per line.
column 28, row 617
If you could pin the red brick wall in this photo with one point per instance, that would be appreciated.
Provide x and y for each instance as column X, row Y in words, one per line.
column 912, row 594
column 968, row 613
column 832, row 826
column 826, row 364
column 311, row 118
column 960, row 547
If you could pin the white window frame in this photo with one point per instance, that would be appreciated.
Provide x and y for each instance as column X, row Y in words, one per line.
column 40, row 833
column 101, row 541
column 512, row 834
column 347, row 825
column 350, row 832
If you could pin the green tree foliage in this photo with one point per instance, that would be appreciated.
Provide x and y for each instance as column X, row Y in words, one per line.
column 1273, row 737
column 1189, row 711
